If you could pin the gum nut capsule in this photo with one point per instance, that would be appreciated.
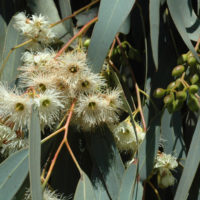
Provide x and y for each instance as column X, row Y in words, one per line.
column 168, row 99
column 182, row 59
column 181, row 95
column 194, row 78
column 171, row 85
column 178, row 84
column 191, row 60
column 193, row 103
column 178, row 70
column 86, row 43
column 193, row 89
column 159, row 93
column 177, row 105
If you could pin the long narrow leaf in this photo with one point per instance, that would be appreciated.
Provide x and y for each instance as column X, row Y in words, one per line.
column 13, row 171
column 154, row 17
column 35, row 155
column 2, row 34
column 115, row 12
column 191, row 165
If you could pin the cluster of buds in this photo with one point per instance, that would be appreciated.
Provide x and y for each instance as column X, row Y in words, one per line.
column 185, row 87
column 163, row 165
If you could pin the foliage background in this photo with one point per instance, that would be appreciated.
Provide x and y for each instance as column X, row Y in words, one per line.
column 160, row 31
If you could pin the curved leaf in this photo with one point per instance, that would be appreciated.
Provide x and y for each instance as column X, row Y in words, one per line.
column 138, row 192
column 191, row 165
column 177, row 16
column 115, row 12
column 171, row 133
column 49, row 10
column 84, row 190
column 13, row 171
column 154, row 17
column 191, row 21
column 12, row 39
column 35, row 155
column 128, row 182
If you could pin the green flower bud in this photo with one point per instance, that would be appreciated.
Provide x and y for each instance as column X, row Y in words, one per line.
column 193, row 89
column 168, row 99
column 194, row 78
column 86, row 43
column 182, row 59
column 178, row 70
column 171, row 85
column 178, row 84
column 191, row 60
column 177, row 105
column 181, row 95
column 159, row 93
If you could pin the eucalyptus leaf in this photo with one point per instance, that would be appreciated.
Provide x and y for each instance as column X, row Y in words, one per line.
column 128, row 183
column 2, row 34
column 191, row 165
column 171, row 133
column 84, row 190
column 9, row 71
column 112, row 15
column 125, row 27
column 154, row 17
column 65, row 8
column 35, row 155
column 13, row 172
column 138, row 192
column 105, row 154
column 191, row 21
column 49, row 10
column 177, row 16
column 149, row 148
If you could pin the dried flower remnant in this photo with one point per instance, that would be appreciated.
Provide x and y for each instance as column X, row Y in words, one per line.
column 163, row 164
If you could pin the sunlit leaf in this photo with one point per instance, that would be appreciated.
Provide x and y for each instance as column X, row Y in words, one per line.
column 35, row 155
column 13, row 171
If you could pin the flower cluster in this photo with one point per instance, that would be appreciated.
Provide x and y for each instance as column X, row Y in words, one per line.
column 163, row 164
column 36, row 28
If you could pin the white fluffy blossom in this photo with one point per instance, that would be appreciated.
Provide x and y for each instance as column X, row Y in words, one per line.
column 49, row 104
column 35, row 27
column 47, row 195
column 10, row 142
column 166, row 161
column 15, row 108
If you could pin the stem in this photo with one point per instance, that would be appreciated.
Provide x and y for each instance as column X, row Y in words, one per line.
column 75, row 36
column 136, row 85
column 10, row 52
column 75, row 13
column 155, row 190
column 52, row 135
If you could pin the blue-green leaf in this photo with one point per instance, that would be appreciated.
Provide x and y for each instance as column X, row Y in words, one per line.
column 104, row 152
column 191, row 21
column 138, row 192
column 149, row 148
column 111, row 16
column 128, row 182
column 12, row 38
column 177, row 16
column 13, row 171
column 84, row 190
column 65, row 9
column 2, row 34
column 35, row 155
column 154, row 17
column 171, row 133
column 191, row 165
column 125, row 27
